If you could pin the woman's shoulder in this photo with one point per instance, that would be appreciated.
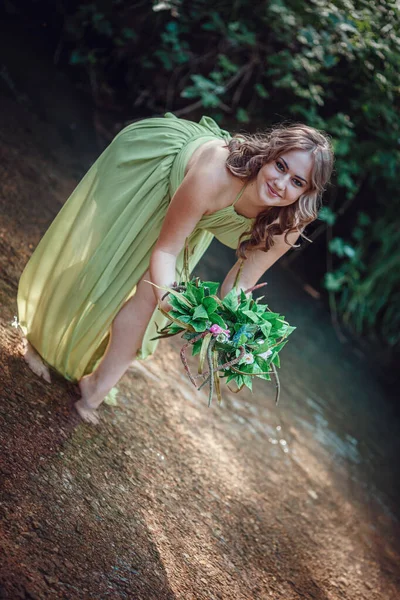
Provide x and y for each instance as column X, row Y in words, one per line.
column 210, row 156
column 207, row 169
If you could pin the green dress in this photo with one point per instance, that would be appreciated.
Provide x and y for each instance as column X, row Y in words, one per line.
column 98, row 247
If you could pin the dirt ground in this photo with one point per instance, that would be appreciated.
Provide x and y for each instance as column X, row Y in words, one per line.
column 168, row 499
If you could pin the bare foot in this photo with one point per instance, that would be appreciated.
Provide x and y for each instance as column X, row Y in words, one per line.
column 89, row 401
column 35, row 362
column 87, row 414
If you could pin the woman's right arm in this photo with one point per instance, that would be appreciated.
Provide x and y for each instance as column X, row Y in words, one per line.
column 197, row 192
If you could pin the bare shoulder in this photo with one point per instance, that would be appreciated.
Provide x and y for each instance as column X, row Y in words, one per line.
column 212, row 154
column 207, row 171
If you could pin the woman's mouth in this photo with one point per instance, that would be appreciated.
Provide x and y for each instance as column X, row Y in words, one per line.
column 272, row 191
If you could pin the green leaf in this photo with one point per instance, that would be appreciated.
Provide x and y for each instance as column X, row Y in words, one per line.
column 196, row 292
column 341, row 147
column 251, row 315
column 276, row 360
column 242, row 115
column 289, row 330
column 243, row 297
column 174, row 319
column 270, row 316
column 199, row 326
column 180, row 317
column 341, row 248
column 334, row 281
column 210, row 304
column 230, row 301
column 265, row 376
column 248, row 382
column 178, row 304
column 228, row 349
column 261, row 91
column 261, row 363
column 363, row 219
column 200, row 313
column 190, row 295
column 174, row 293
column 212, row 286
column 327, row 215
column 217, row 320
column 261, row 348
column 266, row 329
column 226, row 64
column 278, row 347
column 196, row 348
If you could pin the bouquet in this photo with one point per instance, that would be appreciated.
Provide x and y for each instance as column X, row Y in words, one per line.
column 236, row 338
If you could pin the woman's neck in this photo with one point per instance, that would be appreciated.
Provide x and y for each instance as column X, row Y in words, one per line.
column 248, row 205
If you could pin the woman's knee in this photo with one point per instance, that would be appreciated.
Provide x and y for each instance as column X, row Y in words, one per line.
column 138, row 307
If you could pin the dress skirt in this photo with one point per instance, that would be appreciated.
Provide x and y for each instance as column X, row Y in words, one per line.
column 98, row 247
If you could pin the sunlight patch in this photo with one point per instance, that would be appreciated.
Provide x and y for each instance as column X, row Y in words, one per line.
column 111, row 398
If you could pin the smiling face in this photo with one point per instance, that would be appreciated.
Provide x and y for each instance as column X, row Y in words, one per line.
column 282, row 181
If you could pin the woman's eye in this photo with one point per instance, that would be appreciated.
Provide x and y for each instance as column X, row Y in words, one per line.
column 280, row 165
column 298, row 183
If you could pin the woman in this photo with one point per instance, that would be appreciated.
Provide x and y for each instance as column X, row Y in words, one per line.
column 84, row 304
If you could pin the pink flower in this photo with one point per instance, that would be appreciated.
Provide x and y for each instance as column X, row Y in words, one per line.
column 216, row 330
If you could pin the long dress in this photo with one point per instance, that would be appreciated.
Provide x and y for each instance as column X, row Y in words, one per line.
column 98, row 247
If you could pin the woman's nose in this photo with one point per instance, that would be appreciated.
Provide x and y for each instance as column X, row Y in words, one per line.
column 281, row 182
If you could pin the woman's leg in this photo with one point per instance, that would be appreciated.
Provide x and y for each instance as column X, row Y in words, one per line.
column 127, row 332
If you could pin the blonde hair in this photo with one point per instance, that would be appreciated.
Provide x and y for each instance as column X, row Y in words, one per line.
column 248, row 153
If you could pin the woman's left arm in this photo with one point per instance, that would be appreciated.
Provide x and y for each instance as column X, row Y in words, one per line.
column 256, row 263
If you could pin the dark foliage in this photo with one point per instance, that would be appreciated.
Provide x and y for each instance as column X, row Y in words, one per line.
column 334, row 65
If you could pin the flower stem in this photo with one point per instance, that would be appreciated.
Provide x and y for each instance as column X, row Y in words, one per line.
column 183, row 355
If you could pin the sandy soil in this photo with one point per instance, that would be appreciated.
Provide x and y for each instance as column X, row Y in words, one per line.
column 167, row 499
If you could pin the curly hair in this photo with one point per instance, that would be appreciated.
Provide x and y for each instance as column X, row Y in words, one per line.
column 248, row 153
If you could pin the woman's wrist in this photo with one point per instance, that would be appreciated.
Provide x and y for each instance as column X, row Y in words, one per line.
column 162, row 272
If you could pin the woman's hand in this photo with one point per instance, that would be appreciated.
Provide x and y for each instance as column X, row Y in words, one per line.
column 164, row 304
column 164, row 299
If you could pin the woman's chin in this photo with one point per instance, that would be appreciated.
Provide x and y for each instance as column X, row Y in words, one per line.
column 269, row 202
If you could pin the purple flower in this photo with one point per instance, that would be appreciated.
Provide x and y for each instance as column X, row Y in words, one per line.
column 216, row 330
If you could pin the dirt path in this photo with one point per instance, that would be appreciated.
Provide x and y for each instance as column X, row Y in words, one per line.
column 167, row 499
